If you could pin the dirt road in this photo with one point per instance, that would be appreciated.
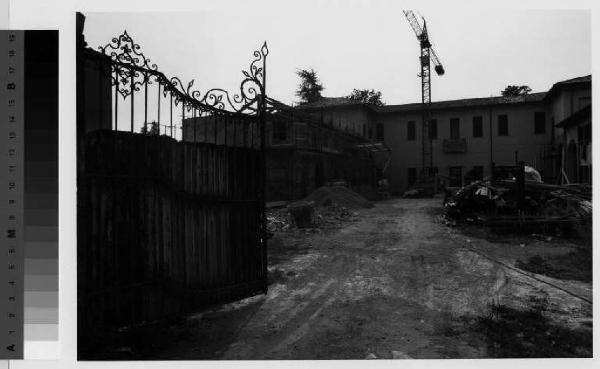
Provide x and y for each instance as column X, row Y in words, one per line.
column 395, row 283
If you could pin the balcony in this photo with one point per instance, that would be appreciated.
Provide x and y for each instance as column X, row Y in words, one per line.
column 455, row 146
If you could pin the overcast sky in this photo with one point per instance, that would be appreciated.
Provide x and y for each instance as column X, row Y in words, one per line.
column 359, row 46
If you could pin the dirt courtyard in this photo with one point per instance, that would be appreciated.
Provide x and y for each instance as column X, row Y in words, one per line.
column 391, row 282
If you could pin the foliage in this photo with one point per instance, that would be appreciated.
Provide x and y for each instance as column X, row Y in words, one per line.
column 151, row 129
column 514, row 90
column 309, row 89
column 366, row 96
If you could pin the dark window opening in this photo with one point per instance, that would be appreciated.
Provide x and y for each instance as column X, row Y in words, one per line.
column 455, row 176
column 502, row 125
column 411, row 133
column 433, row 129
column 477, row 127
column 454, row 128
column 379, row 132
column 279, row 131
column 412, row 176
column 370, row 133
column 364, row 130
column 539, row 122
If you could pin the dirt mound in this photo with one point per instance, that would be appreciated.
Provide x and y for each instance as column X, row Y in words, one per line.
column 340, row 195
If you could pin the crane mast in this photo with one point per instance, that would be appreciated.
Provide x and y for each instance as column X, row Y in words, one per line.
column 427, row 57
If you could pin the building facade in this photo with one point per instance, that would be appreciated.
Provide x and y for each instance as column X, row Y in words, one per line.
column 467, row 136
column 303, row 152
column 549, row 131
column 569, row 105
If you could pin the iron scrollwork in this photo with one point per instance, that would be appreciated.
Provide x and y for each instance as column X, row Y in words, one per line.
column 130, row 64
column 251, row 87
column 124, row 50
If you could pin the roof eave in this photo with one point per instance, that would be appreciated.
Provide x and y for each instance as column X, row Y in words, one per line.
column 484, row 105
column 576, row 117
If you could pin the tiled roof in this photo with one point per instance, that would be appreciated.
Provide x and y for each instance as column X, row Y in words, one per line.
column 482, row 101
column 328, row 102
column 568, row 82
column 587, row 78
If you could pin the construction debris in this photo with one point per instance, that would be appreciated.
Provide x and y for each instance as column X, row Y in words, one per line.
column 423, row 187
column 324, row 217
column 278, row 220
column 339, row 195
column 532, row 175
column 415, row 193
column 506, row 203
column 332, row 215
column 302, row 213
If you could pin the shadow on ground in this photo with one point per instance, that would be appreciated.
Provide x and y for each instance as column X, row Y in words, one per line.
column 212, row 331
column 512, row 333
column 575, row 265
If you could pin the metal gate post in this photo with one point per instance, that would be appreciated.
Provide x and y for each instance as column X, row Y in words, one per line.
column 263, row 122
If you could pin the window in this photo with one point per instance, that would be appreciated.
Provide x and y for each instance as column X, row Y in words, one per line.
column 502, row 125
column 433, row 129
column 379, row 132
column 370, row 133
column 455, row 176
column 279, row 131
column 364, row 130
column 477, row 127
column 410, row 131
column 539, row 118
column 454, row 128
column 412, row 176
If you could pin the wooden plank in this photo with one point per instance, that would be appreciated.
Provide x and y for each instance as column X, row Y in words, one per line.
column 141, row 231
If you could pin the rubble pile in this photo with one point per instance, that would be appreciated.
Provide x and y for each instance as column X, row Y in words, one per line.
column 324, row 217
column 278, row 220
column 503, row 203
column 332, row 215
column 325, row 208
column 340, row 195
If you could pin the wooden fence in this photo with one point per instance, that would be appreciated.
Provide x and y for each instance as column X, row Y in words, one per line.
column 165, row 227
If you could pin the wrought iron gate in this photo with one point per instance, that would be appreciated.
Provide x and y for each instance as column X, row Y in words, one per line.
column 171, row 210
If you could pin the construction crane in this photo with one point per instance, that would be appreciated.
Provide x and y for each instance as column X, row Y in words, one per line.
column 428, row 56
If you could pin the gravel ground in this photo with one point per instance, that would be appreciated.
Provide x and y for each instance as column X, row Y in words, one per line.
column 392, row 282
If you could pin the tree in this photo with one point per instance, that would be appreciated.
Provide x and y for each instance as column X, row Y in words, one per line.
column 151, row 129
column 309, row 89
column 366, row 96
column 514, row 90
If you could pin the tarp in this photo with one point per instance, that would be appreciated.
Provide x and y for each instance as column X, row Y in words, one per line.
column 532, row 175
